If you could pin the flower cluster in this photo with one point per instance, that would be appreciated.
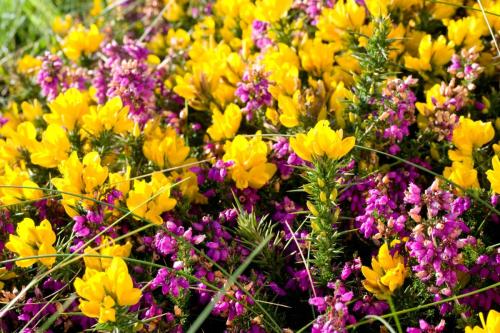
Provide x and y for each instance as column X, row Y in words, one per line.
column 250, row 166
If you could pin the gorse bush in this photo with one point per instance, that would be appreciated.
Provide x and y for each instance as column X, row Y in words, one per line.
column 250, row 166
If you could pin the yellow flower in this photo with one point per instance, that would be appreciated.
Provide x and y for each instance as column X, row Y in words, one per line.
column 271, row 10
column 108, row 248
column 283, row 64
column 468, row 136
column 462, row 174
column 321, row 140
column 23, row 188
column 344, row 16
column 317, row 57
column 67, row 109
column 112, row 117
column 466, row 31
column 168, row 150
column 494, row 175
column 202, row 83
column 53, row 149
column 433, row 97
column 120, row 181
column 436, row 54
column 31, row 110
column 188, row 184
column 79, row 178
column 81, row 40
column 150, row 200
column 225, row 126
column 178, row 39
column 490, row 8
column 381, row 7
column 492, row 324
column 387, row 274
column 173, row 10
column 96, row 8
column 290, row 110
column 32, row 241
column 28, row 65
column 100, row 291
column 444, row 10
column 61, row 25
column 338, row 101
column 250, row 166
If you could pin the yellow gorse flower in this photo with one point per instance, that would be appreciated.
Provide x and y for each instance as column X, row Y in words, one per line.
column 68, row 108
column 283, row 65
column 32, row 241
column 166, row 150
column 81, row 40
column 148, row 200
column 28, row 65
column 102, row 291
column 494, row 175
column 250, row 168
column 80, row 178
column 61, row 25
column 387, row 274
column 467, row 31
column 344, row 16
column 491, row 325
column 468, row 136
column 430, row 54
column 225, row 126
column 433, row 96
column 23, row 188
column 108, row 248
column 320, row 141
column 112, row 117
column 289, row 110
column 271, row 10
column 317, row 57
column 53, row 149
column 462, row 174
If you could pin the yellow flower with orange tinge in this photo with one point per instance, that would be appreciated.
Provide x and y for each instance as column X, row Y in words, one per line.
column 102, row 291
column 250, row 168
column 320, row 141
column 491, row 325
column 32, row 241
column 387, row 274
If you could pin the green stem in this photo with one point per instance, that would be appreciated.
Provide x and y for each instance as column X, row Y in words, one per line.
column 394, row 312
